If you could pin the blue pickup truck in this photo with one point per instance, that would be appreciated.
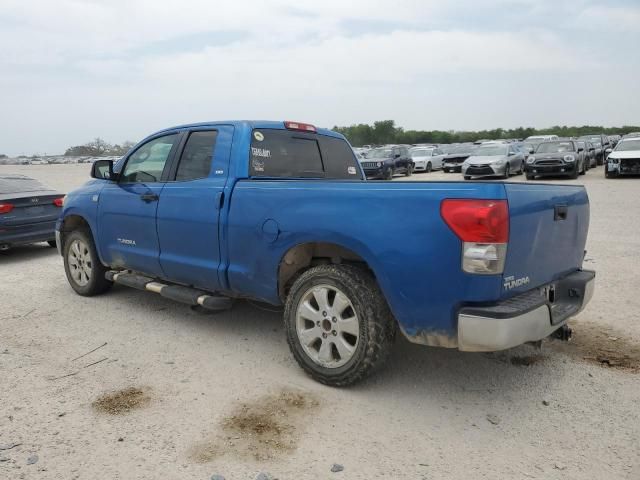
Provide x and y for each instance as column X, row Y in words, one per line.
column 281, row 212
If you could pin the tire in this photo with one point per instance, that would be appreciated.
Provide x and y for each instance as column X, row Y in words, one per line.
column 575, row 173
column 467, row 177
column 388, row 175
column 369, row 338
column 409, row 171
column 507, row 171
column 85, row 272
column 584, row 169
column 530, row 176
column 52, row 243
column 600, row 161
column 429, row 167
column 608, row 174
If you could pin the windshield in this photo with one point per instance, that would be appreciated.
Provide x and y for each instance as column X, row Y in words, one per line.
column 591, row 138
column 457, row 149
column 628, row 145
column 491, row 150
column 380, row 153
column 421, row 152
column 555, row 147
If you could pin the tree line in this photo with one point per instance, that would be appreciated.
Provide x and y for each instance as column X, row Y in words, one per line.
column 386, row 131
column 98, row 148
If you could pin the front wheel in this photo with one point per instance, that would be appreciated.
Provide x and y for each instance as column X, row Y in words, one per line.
column 429, row 167
column 388, row 174
column 338, row 324
column 84, row 270
column 530, row 176
column 467, row 177
column 409, row 170
column 507, row 171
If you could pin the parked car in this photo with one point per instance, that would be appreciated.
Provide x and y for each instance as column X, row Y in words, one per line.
column 456, row 155
column 600, row 142
column 589, row 153
column 557, row 158
column 280, row 212
column 614, row 139
column 624, row 159
column 385, row 162
column 494, row 159
column 426, row 159
column 28, row 211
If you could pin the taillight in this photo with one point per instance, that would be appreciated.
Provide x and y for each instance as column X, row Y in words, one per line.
column 59, row 202
column 303, row 127
column 5, row 207
column 483, row 227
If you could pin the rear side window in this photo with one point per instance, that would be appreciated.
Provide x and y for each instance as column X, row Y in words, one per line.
column 195, row 161
column 290, row 154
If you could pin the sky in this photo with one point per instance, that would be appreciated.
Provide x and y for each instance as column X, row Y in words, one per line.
column 73, row 70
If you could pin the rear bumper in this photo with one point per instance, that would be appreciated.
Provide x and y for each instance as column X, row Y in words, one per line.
column 28, row 233
column 528, row 317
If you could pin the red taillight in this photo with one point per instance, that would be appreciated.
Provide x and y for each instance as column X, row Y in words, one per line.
column 5, row 207
column 58, row 202
column 478, row 221
column 303, row 127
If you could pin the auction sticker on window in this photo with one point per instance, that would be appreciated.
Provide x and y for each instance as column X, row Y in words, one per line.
column 258, row 136
column 260, row 152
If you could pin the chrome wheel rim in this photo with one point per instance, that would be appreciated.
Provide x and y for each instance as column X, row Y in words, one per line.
column 79, row 261
column 327, row 326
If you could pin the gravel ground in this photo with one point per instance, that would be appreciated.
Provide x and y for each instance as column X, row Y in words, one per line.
column 169, row 393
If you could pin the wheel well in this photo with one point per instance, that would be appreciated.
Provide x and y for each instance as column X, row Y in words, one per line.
column 71, row 223
column 303, row 256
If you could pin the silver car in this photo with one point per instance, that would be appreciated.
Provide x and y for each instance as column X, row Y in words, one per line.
column 426, row 159
column 494, row 159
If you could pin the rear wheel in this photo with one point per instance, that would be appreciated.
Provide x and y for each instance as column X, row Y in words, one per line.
column 84, row 270
column 338, row 324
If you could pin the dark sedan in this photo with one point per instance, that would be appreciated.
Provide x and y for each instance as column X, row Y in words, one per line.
column 557, row 158
column 28, row 211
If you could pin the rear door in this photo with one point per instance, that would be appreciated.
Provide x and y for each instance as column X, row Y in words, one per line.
column 547, row 234
column 127, row 208
column 190, row 205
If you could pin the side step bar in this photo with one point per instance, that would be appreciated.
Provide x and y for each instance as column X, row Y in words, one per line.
column 190, row 296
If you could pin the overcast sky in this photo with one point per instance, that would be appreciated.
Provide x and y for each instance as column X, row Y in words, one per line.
column 71, row 70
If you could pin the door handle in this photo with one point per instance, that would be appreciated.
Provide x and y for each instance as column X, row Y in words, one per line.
column 149, row 197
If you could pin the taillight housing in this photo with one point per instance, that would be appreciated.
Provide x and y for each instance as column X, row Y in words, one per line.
column 483, row 227
column 303, row 127
column 58, row 202
column 5, row 208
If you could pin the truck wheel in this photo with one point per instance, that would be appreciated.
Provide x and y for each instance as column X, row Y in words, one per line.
column 338, row 324
column 84, row 270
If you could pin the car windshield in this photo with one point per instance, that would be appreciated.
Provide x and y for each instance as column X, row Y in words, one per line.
column 628, row 145
column 421, row 152
column 491, row 150
column 457, row 149
column 379, row 153
column 555, row 147
column 592, row 138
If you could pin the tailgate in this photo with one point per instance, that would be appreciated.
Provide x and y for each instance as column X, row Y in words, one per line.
column 547, row 234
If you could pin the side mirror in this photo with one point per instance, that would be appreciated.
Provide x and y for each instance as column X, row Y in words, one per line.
column 396, row 155
column 103, row 170
column 580, row 149
column 511, row 154
column 531, row 151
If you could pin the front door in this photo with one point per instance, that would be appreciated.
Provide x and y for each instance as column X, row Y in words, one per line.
column 190, row 205
column 127, row 208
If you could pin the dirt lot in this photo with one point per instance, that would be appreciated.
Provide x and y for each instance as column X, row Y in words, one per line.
column 169, row 393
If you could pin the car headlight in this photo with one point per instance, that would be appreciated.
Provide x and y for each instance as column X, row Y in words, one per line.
column 613, row 160
column 499, row 161
column 379, row 164
column 531, row 159
column 569, row 158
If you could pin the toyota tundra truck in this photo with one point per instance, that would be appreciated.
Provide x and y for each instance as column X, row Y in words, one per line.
column 281, row 212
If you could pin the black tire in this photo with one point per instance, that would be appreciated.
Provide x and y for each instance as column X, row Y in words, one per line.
column 446, row 170
column 573, row 175
column 600, row 161
column 52, row 243
column 389, row 174
column 583, row 170
column 608, row 174
column 530, row 176
column 507, row 171
column 467, row 177
column 429, row 167
column 409, row 171
column 96, row 284
column 376, row 327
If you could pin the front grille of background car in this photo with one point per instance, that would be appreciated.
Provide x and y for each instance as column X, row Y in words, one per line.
column 480, row 170
column 549, row 162
column 630, row 165
column 369, row 165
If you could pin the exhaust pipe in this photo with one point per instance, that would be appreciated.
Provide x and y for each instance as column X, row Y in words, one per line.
column 4, row 247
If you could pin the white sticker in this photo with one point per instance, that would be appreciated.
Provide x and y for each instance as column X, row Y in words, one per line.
column 351, row 170
column 260, row 152
column 258, row 165
column 258, row 136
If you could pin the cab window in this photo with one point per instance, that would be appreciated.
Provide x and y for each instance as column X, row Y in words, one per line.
column 195, row 161
column 147, row 163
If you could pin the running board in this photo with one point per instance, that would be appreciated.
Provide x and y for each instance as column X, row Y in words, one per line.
column 190, row 296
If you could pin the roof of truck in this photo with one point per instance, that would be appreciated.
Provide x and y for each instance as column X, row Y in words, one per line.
column 266, row 124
